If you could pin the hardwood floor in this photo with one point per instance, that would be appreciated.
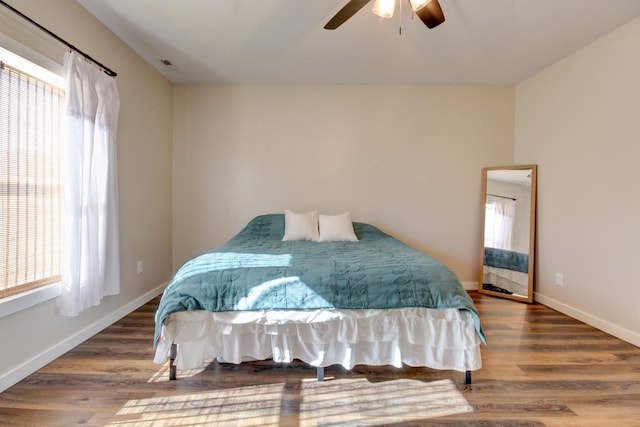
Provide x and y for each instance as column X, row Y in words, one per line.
column 541, row 368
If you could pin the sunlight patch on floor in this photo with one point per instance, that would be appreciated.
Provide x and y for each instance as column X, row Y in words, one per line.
column 250, row 406
column 307, row 403
column 365, row 403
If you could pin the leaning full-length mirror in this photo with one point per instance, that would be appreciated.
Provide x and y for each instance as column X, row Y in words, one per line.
column 508, row 224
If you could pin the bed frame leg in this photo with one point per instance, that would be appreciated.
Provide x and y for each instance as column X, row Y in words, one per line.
column 172, row 359
column 467, row 377
column 320, row 371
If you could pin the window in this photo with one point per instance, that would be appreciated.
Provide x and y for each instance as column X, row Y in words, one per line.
column 499, row 216
column 31, row 118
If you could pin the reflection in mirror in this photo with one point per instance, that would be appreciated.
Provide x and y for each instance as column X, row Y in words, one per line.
column 508, row 220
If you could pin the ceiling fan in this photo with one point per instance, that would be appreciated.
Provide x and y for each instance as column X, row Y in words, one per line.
column 429, row 11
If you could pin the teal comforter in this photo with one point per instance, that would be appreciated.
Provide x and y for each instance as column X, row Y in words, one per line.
column 510, row 260
column 255, row 270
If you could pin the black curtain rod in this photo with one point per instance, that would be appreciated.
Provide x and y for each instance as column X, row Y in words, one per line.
column 502, row 197
column 108, row 71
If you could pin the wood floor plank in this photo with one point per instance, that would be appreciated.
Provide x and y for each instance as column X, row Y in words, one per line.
column 541, row 368
column 43, row 417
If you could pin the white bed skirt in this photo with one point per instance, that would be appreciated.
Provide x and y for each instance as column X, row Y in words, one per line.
column 435, row 338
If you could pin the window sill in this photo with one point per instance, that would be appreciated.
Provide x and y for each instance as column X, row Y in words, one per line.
column 24, row 300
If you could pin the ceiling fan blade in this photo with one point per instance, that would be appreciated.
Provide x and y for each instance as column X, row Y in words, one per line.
column 345, row 13
column 431, row 14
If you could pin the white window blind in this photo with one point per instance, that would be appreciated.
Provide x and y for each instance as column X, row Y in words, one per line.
column 31, row 117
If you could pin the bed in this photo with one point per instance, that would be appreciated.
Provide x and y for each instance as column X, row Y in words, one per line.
column 506, row 271
column 371, row 300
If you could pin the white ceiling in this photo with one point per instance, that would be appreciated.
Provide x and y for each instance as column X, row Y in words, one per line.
column 482, row 42
column 514, row 176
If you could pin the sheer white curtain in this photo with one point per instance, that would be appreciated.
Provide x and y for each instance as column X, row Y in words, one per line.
column 90, row 260
column 499, row 218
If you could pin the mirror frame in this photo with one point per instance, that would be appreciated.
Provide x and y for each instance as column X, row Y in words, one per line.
column 532, row 232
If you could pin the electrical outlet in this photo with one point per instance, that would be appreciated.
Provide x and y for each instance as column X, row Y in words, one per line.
column 140, row 266
column 559, row 279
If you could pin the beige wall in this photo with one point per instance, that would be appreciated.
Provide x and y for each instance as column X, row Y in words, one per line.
column 579, row 120
column 408, row 159
column 144, row 169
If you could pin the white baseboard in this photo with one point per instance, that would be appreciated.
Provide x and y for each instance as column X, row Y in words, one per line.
column 30, row 366
column 604, row 325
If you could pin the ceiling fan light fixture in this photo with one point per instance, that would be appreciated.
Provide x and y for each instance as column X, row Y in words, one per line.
column 429, row 11
column 416, row 5
column 384, row 8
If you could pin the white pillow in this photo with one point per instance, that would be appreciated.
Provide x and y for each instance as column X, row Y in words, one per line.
column 337, row 228
column 300, row 226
